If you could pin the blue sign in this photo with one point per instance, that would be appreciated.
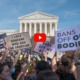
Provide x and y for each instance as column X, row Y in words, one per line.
column 2, row 36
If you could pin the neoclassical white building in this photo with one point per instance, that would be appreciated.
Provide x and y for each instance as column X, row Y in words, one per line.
column 39, row 22
column 36, row 22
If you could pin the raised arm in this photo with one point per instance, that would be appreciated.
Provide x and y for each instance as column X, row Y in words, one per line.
column 73, row 70
column 29, row 58
column 54, row 64
column 16, row 59
column 23, row 71
column 5, row 53
column 77, row 55
column 45, row 55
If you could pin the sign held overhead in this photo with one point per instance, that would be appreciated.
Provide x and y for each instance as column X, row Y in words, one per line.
column 18, row 41
column 67, row 39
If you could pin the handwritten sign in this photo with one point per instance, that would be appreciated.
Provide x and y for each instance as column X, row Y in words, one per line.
column 18, row 41
column 45, row 46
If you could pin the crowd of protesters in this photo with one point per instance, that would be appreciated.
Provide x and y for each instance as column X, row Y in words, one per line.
column 18, row 65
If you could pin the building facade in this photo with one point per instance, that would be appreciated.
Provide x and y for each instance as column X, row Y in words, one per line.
column 39, row 22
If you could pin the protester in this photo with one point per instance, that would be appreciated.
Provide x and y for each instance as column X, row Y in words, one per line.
column 77, row 62
column 31, row 74
column 34, row 59
column 4, row 71
column 47, row 75
column 23, row 71
column 64, row 70
column 42, row 65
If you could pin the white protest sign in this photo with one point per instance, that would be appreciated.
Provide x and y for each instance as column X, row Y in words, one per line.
column 45, row 46
column 18, row 41
column 67, row 39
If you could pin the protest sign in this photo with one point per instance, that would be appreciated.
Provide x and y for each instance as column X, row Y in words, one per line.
column 67, row 39
column 45, row 46
column 18, row 41
column 2, row 36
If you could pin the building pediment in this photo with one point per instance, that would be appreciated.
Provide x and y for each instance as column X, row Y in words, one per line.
column 38, row 15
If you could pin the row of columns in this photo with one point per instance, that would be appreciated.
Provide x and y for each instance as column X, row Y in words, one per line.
column 35, row 29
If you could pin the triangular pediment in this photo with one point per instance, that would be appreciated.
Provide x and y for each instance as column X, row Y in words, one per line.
column 38, row 15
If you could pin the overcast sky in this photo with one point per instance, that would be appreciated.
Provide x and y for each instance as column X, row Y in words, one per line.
column 67, row 10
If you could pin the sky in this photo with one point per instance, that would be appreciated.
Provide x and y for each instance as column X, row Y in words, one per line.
column 67, row 10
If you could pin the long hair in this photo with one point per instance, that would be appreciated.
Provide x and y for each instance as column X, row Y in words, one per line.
column 31, row 69
column 65, row 67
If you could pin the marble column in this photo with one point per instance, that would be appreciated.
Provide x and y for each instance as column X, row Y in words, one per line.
column 50, row 29
column 40, row 27
column 46, row 29
column 20, row 27
column 25, row 27
column 30, row 28
column 34, row 27
column 53, row 29
column 55, row 26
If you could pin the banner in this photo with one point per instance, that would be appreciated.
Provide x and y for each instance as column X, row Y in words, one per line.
column 18, row 41
column 67, row 39
column 2, row 36
column 45, row 46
